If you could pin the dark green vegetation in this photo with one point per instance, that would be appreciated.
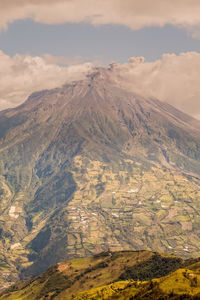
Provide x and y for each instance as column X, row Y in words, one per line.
column 99, row 277
column 90, row 167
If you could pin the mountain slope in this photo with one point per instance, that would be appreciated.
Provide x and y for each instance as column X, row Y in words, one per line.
column 89, row 278
column 91, row 167
column 181, row 284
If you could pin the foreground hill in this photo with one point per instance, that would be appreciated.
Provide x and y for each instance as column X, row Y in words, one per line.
column 90, row 278
column 179, row 285
column 92, row 167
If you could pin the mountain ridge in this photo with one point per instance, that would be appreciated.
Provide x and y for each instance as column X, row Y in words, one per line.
column 110, row 274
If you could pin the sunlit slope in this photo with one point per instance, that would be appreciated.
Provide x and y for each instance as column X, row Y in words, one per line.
column 181, row 284
column 90, row 167
column 113, row 274
column 68, row 279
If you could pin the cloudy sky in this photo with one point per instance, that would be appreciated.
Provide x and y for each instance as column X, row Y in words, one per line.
column 44, row 43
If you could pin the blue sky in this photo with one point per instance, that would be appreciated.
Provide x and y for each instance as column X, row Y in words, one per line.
column 104, row 43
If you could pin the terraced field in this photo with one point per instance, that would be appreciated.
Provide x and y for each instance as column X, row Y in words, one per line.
column 108, row 203
column 116, row 208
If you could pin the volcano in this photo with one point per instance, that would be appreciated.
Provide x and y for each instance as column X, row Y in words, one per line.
column 92, row 167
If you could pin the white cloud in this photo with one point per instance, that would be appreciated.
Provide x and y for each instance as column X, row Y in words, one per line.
column 132, row 13
column 174, row 78
column 23, row 74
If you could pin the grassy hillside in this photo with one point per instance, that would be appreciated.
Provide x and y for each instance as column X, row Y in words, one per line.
column 181, row 284
column 99, row 277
